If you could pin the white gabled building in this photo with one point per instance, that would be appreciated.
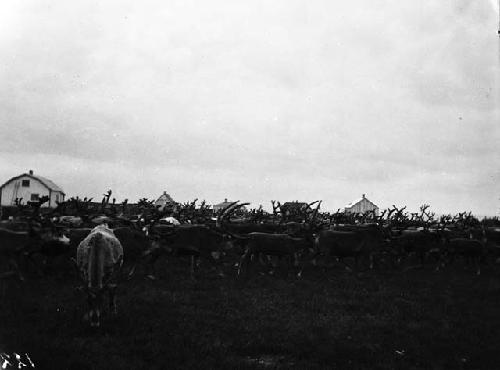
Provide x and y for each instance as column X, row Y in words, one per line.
column 165, row 200
column 30, row 187
column 361, row 206
column 217, row 207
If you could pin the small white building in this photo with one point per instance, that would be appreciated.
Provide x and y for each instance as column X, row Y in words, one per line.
column 222, row 205
column 30, row 187
column 165, row 200
column 361, row 206
column 217, row 207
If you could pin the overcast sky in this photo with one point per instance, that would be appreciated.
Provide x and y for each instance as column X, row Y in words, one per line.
column 256, row 100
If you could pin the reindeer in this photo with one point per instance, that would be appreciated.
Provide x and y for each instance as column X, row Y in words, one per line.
column 99, row 259
column 12, row 246
column 258, row 244
column 357, row 242
column 18, row 246
column 278, row 245
column 193, row 240
column 421, row 241
column 473, row 247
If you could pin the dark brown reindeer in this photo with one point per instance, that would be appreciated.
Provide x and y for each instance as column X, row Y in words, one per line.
column 12, row 246
column 276, row 245
column 472, row 246
column 412, row 235
column 193, row 240
column 357, row 236
column 359, row 242
column 258, row 244
column 16, row 247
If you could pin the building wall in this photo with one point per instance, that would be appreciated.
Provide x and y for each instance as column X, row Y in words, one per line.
column 14, row 189
column 55, row 196
column 216, row 208
column 362, row 206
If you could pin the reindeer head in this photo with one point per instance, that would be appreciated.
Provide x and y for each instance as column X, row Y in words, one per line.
column 94, row 301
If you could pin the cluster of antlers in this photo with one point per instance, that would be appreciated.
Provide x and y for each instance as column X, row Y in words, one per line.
column 289, row 212
column 190, row 211
column 398, row 217
column 225, row 213
column 30, row 210
column 295, row 211
column 340, row 217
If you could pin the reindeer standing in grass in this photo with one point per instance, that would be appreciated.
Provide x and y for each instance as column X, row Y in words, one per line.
column 280, row 245
column 99, row 259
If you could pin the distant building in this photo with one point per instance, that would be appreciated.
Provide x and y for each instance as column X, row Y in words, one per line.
column 217, row 207
column 289, row 208
column 361, row 206
column 165, row 201
column 30, row 187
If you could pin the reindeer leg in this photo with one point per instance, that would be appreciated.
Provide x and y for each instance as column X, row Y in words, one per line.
column 421, row 256
column 298, row 264
column 438, row 265
column 443, row 259
column 28, row 260
column 192, row 267
column 3, row 288
column 112, row 298
column 261, row 260
column 152, row 263
column 244, row 263
column 288, row 263
column 286, row 266
column 275, row 262
column 14, row 264
column 451, row 259
column 292, row 263
column 346, row 266
column 314, row 261
column 215, row 265
column 356, row 263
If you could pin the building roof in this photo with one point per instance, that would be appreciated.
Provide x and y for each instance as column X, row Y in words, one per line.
column 165, row 198
column 354, row 202
column 48, row 183
column 223, row 204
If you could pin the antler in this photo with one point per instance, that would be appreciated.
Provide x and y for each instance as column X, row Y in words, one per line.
column 276, row 207
column 315, row 212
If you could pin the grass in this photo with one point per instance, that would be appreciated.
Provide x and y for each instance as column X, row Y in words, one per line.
column 415, row 319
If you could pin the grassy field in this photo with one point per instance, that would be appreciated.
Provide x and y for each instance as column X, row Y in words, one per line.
column 414, row 319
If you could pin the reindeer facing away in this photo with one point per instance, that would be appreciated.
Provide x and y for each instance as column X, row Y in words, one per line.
column 99, row 259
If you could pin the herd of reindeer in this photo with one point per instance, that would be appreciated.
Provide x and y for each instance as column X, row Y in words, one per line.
column 104, row 243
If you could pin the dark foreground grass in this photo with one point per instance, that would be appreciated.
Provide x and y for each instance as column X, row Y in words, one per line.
column 416, row 319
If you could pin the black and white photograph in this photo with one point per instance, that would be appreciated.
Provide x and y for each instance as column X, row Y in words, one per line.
column 228, row 184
